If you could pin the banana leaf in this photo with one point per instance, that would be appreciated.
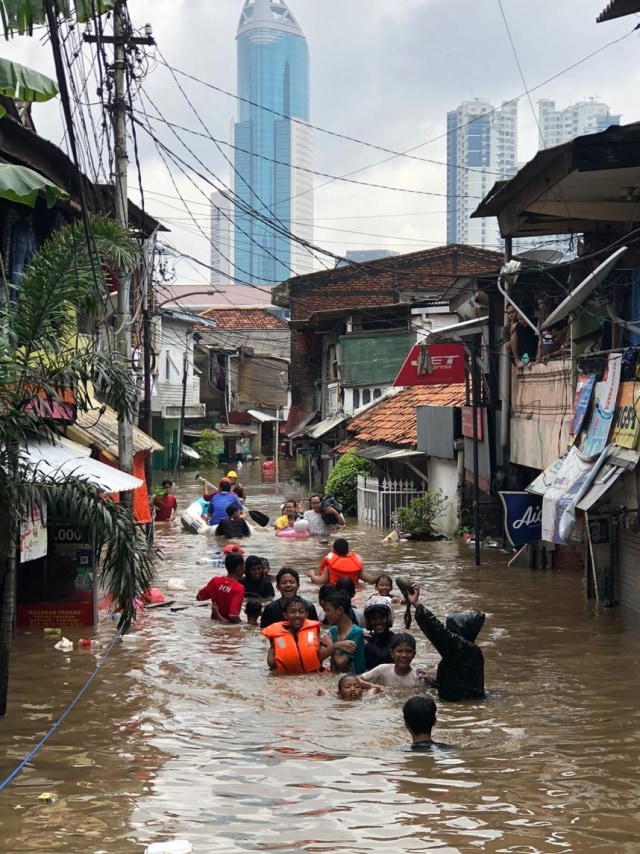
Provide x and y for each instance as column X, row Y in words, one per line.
column 23, row 185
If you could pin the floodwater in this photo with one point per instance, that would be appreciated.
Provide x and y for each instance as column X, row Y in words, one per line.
column 183, row 734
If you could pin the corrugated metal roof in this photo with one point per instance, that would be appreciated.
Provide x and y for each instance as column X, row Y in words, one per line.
column 65, row 459
column 618, row 9
column 99, row 428
column 323, row 427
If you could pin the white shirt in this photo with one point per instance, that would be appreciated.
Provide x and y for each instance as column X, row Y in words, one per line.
column 385, row 675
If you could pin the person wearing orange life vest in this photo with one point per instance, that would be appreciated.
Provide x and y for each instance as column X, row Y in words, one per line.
column 341, row 563
column 295, row 643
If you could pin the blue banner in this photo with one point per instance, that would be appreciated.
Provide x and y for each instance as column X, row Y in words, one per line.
column 582, row 401
column 522, row 517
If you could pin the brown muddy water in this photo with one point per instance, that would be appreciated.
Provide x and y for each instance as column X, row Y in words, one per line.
column 183, row 734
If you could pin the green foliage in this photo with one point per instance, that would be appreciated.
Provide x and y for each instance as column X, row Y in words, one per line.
column 40, row 356
column 209, row 446
column 343, row 481
column 21, row 16
column 419, row 516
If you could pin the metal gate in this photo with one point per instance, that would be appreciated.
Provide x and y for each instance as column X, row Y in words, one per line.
column 629, row 568
column 379, row 500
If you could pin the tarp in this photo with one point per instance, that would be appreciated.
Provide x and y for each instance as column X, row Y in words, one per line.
column 262, row 417
column 568, row 481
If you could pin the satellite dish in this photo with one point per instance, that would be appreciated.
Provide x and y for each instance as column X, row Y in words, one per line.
column 540, row 256
column 584, row 290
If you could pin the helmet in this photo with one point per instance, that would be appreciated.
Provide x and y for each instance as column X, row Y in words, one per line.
column 379, row 604
column 232, row 474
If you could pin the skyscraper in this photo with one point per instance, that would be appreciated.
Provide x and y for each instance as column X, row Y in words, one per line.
column 221, row 261
column 482, row 145
column 558, row 126
column 273, row 143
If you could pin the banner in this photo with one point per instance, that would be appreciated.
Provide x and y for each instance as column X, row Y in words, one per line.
column 602, row 418
column 626, row 419
column 33, row 534
column 570, row 477
column 584, row 390
column 522, row 517
column 432, row 364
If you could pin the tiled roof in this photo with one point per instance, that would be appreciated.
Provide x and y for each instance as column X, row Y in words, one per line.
column 394, row 420
column 233, row 318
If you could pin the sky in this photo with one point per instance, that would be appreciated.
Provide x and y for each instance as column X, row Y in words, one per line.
column 384, row 73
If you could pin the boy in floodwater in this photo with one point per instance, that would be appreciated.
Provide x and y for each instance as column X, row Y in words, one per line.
column 399, row 674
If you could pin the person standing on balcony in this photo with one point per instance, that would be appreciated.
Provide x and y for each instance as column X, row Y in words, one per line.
column 524, row 342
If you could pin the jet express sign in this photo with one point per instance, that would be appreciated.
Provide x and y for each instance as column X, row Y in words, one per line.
column 432, row 364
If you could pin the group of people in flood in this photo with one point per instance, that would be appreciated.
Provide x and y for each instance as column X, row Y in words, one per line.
column 357, row 644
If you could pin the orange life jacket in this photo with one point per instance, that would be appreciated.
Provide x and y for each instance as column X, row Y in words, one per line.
column 295, row 653
column 348, row 566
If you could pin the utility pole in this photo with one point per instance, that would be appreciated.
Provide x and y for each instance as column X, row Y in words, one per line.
column 122, row 41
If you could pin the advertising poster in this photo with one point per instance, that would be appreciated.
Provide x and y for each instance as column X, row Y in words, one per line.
column 568, row 481
column 605, row 405
column 584, row 390
column 33, row 534
column 626, row 419
column 522, row 517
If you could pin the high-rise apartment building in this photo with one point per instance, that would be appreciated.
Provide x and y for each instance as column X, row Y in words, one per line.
column 273, row 154
column 482, row 146
column 221, row 260
column 558, row 126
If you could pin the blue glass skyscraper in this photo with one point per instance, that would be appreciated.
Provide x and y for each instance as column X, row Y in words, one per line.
column 273, row 153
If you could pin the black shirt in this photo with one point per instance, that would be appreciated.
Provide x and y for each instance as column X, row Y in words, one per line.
column 233, row 529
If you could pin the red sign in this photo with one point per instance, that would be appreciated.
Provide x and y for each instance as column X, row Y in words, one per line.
column 467, row 422
column 432, row 364
column 56, row 614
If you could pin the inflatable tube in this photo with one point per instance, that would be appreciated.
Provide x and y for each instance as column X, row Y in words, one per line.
column 292, row 534
column 192, row 518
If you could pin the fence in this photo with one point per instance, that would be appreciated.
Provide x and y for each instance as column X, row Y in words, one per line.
column 379, row 500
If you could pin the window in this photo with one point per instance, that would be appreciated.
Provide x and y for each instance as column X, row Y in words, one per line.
column 366, row 396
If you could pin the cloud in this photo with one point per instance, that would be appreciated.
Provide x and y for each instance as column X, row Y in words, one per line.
column 382, row 72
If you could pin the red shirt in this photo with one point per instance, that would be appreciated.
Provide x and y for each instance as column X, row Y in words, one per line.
column 226, row 592
column 165, row 505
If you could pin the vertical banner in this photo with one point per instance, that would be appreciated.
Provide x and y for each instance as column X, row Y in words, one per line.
column 602, row 418
column 522, row 517
column 584, row 389
column 570, row 477
column 33, row 534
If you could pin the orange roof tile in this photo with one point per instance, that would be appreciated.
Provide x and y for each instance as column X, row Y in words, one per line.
column 393, row 420
column 233, row 318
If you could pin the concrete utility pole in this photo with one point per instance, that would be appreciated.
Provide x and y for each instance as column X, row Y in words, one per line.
column 122, row 41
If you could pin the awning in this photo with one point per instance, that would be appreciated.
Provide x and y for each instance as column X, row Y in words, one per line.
column 323, row 427
column 301, row 428
column 236, row 430
column 63, row 459
column 262, row 417
column 380, row 451
column 99, row 428
column 619, row 461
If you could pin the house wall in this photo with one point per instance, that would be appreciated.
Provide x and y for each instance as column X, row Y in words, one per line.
column 443, row 474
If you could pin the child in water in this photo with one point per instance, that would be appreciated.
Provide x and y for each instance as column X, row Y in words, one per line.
column 350, row 688
column 384, row 585
column 253, row 610
column 400, row 674
column 348, row 657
